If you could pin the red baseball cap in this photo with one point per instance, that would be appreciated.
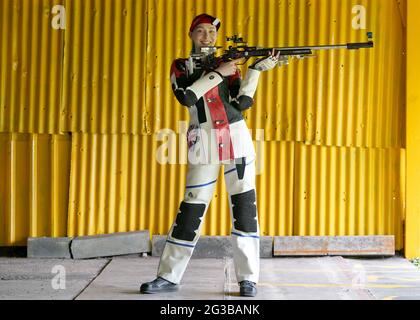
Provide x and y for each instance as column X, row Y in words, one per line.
column 204, row 18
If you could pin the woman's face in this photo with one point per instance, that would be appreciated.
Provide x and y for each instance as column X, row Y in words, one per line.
column 204, row 35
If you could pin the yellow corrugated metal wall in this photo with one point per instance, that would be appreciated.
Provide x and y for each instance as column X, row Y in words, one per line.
column 334, row 125
column 34, row 184
column 104, row 67
column 348, row 191
column 412, row 237
column 31, row 58
column 107, row 195
column 34, row 158
column 340, row 98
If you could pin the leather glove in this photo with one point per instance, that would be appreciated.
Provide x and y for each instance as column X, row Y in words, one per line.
column 265, row 64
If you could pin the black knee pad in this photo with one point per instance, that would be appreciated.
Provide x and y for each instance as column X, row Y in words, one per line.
column 188, row 221
column 244, row 211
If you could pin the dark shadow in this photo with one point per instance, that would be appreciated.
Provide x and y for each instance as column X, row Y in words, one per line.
column 14, row 252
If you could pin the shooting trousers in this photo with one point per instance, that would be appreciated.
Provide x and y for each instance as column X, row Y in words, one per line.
column 185, row 230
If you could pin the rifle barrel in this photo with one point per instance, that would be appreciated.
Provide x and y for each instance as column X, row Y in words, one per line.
column 247, row 52
column 350, row 46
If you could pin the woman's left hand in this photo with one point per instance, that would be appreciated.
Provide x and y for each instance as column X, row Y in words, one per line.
column 266, row 63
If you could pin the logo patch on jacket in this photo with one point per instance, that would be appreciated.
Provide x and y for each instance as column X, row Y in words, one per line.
column 192, row 135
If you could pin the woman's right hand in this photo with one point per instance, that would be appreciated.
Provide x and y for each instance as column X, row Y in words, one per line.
column 227, row 69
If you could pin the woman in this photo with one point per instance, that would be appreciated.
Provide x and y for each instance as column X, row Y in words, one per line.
column 217, row 135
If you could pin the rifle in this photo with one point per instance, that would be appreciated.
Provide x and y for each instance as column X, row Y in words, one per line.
column 206, row 60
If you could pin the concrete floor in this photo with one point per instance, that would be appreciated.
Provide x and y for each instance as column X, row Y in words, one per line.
column 119, row 278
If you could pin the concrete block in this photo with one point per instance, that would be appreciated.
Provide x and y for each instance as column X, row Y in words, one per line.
column 266, row 247
column 213, row 247
column 44, row 247
column 339, row 245
column 113, row 244
column 158, row 243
